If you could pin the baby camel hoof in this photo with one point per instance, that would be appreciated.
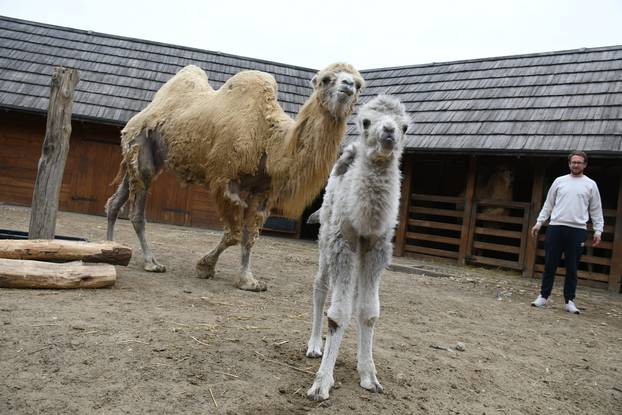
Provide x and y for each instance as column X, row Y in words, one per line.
column 372, row 386
column 317, row 393
column 252, row 285
column 154, row 267
column 205, row 271
column 314, row 351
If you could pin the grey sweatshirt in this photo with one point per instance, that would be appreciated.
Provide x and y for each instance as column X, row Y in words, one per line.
column 570, row 200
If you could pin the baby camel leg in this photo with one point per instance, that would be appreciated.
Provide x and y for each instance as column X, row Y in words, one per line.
column 374, row 258
column 254, row 217
column 338, row 315
column 114, row 204
column 320, row 288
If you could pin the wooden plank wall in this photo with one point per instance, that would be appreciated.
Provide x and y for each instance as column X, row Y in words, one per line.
column 92, row 164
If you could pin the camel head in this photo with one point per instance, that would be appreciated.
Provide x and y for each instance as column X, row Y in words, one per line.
column 337, row 88
column 505, row 175
column 383, row 123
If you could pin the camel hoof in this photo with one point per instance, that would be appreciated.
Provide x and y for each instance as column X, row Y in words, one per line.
column 205, row 271
column 252, row 285
column 372, row 386
column 154, row 267
column 314, row 349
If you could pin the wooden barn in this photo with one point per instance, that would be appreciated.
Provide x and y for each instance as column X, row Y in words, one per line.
column 118, row 78
column 488, row 138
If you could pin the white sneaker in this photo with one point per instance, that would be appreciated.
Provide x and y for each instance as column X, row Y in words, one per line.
column 540, row 302
column 571, row 308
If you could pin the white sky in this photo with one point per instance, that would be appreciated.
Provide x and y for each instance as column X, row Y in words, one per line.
column 367, row 34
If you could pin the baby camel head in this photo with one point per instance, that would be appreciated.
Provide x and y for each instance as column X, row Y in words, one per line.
column 383, row 123
column 337, row 88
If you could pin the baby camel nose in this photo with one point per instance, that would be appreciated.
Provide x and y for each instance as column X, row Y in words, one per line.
column 388, row 132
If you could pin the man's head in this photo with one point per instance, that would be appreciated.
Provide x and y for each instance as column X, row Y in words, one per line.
column 577, row 162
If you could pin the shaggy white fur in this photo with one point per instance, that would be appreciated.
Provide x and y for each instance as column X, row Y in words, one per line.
column 358, row 217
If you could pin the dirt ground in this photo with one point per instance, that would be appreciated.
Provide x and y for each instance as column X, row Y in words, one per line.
column 171, row 343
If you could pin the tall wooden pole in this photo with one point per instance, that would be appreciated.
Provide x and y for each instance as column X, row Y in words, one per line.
column 402, row 228
column 53, row 155
column 537, row 196
column 615, row 274
column 469, row 214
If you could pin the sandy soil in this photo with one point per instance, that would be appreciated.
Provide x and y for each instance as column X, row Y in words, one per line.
column 171, row 343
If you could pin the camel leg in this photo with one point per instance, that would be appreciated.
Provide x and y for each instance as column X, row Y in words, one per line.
column 343, row 287
column 114, row 205
column 254, row 216
column 144, row 166
column 320, row 289
column 373, row 261
column 137, row 217
column 206, row 266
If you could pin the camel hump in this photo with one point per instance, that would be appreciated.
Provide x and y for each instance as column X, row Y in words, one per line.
column 247, row 81
column 189, row 79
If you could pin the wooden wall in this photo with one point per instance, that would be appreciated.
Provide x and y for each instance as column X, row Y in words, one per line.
column 92, row 164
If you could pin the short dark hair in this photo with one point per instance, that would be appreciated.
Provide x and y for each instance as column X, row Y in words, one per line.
column 578, row 153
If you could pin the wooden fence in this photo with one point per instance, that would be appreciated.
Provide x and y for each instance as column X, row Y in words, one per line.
column 437, row 226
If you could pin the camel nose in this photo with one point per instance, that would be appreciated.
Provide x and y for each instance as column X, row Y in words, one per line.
column 347, row 86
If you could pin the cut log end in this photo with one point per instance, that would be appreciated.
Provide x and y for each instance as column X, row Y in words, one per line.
column 15, row 273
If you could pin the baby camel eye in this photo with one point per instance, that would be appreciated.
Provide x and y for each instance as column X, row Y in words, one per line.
column 366, row 123
column 358, row 85
column 326, row 80
column 404, row 128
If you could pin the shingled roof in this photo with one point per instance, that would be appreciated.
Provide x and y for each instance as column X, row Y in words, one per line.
column 536, row 103
column 118, row 75
column 554, row 101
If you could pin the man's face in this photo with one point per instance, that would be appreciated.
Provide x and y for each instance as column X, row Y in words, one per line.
column 577, row 165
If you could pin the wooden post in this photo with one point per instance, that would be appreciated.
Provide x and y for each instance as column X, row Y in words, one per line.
column 53, row 155
column 467, row 218
column 537, row 196
column 615, row 272
column 402, row 227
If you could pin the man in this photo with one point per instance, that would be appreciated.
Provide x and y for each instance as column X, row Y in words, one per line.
column 569, row 201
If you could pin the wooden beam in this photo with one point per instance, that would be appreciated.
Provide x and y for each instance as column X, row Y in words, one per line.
column 537, row 196
column 404, row 216
column 615, row 272
column 16, row 273
column 53, row 155
column 65, row 251
column 468, row 217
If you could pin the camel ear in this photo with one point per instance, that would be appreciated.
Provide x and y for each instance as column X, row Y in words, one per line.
column 313, row 81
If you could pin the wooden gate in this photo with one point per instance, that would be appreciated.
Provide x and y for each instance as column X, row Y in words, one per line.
column 498, row 233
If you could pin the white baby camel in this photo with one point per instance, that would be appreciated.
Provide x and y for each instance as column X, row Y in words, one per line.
column 358, row 217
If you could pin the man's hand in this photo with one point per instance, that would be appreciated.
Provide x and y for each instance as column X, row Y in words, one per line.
column 535, row 230
column 596, row 239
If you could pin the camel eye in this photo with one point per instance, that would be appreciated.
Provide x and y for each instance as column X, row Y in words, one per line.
column 326, row 80
column 366, row 123
column 358, row 85
column 404, row 128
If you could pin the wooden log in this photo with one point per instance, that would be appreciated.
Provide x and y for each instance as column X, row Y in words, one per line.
column 64, row 251
column 53, row 155
column 16, row 273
